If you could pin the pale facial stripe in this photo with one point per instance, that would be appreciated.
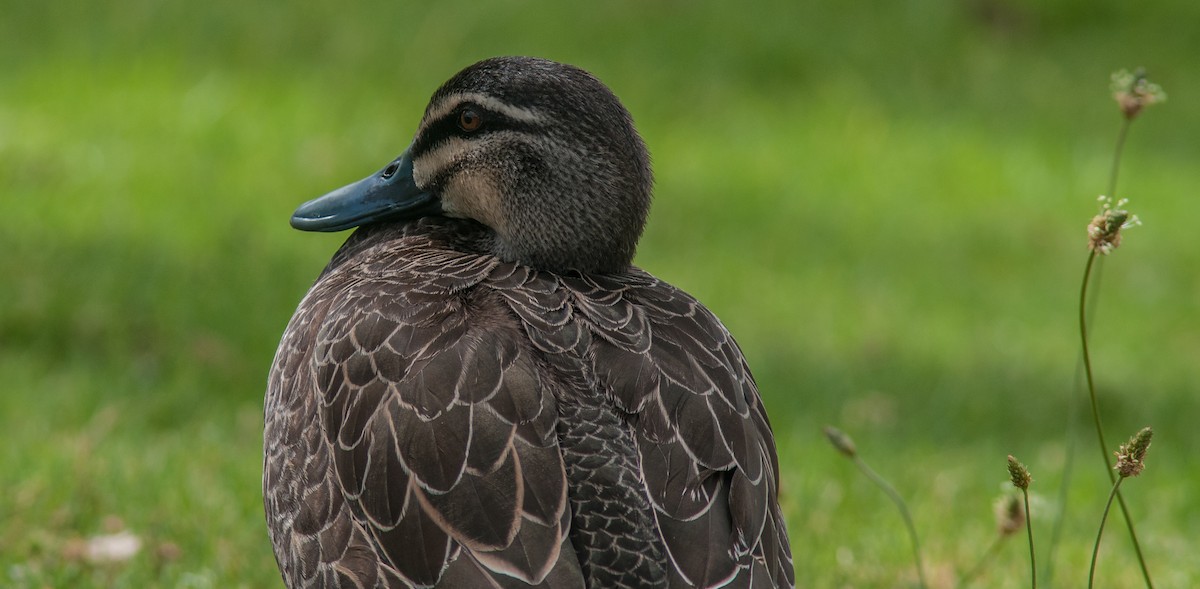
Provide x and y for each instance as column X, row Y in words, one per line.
column 470, row 191
column 430, row 164
column 453, row 101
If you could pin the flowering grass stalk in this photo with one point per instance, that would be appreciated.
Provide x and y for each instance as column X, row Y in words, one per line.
column 1133, row 92
column 1011, row 517
column 843, row 444
column 1131, row 460
column 1021, row 479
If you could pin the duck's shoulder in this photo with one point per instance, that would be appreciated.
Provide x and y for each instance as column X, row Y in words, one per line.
column 643, row 314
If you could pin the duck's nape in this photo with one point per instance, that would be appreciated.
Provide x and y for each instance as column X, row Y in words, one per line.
column 390, row 194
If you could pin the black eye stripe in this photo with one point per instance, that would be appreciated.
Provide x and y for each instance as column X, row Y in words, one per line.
column 447, row 126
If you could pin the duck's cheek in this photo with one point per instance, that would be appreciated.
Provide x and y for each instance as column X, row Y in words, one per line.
column 475, row 194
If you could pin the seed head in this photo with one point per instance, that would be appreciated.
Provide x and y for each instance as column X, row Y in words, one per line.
column 1010, row 514
column 1018, row 473
column 1104, row 232
column 841, row 441
column 1133, row 92
column 1131, row 459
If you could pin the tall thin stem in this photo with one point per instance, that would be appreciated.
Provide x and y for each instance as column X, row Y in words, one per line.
column 1060, row 517
column 1087, row 364
column 1116, row 164
column 1087, row 361
column 1096, row 548
column 908, row 522
column 1029, row 531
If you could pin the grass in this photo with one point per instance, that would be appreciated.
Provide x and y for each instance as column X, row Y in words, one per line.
column 886, row 204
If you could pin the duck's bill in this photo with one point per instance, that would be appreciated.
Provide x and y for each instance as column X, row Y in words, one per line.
column 388, row 195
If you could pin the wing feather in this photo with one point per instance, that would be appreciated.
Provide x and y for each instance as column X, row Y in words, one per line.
column 706, row 448
column 474, row 513
column 441, row 433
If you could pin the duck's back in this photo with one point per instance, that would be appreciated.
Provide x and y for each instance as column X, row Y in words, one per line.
column 436, row 416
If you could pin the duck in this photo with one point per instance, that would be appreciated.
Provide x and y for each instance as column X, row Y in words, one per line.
column 482, row 390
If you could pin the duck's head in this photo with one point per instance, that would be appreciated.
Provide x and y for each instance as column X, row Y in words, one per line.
column 540, row 153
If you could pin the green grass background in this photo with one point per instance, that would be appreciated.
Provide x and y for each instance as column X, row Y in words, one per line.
column 884, row 201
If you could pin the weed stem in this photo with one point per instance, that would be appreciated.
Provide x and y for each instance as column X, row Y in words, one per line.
column 1096, row 548
column 1029, row 531
column 899, row 501
column 1116, row 164
column 1087, row 361
column 1087, row 364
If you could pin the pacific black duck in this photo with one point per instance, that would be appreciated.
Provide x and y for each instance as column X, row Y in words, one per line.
column 480, row 390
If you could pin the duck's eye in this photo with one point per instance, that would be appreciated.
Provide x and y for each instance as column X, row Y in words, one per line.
column 469, row 120
column 390, row 170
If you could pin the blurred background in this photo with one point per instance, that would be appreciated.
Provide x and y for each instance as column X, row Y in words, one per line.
column 885, row 202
